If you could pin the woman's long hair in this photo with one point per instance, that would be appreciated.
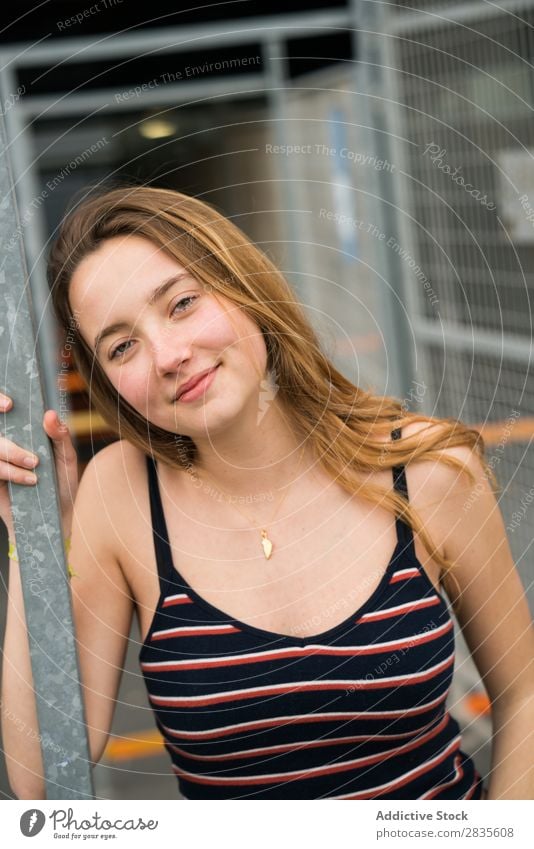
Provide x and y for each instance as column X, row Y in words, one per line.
column 349, row 428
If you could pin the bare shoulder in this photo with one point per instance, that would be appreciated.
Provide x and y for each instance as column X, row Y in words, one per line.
column 118, row 456
column 442, row 493
column 115, row 466
column 108, row 485
column 463, row 515
column 434, row 480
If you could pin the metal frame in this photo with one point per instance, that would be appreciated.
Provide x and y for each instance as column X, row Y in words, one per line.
column 37, row 524
column 497, row 351
column 269, row 32
column 371, row 78
column 437, row 333
column 452, row 13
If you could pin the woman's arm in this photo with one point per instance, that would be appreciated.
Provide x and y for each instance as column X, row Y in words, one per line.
column 102, row 610
column 490, row 604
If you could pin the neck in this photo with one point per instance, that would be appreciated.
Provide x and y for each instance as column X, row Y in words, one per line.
column 252, row 458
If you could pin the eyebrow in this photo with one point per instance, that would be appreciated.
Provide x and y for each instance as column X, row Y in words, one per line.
column 158, row 293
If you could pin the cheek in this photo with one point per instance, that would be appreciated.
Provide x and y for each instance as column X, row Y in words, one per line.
column 217, row 327
column 235, row 335
column 253, row 354
column 133, row 386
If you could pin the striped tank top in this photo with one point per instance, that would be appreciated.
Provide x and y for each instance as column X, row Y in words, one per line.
column 356, row 712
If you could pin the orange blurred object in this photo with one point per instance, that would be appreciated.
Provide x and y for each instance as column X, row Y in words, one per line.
column 143, row 745
column 478, row 704
column 71, row 381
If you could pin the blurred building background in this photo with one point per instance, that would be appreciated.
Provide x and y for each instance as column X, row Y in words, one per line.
column 380, row 153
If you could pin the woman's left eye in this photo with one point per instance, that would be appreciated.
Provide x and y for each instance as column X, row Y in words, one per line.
column 182, row 301
column 120, row 350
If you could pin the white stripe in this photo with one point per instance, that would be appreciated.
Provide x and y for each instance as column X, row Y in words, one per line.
column 310, row 771
column 192, row 628
column 348, row 715
column 335, row 682
column 408, row 604
column 406, row 571
column 172, row 597
column 399, row 777
column 458, row 771
column 303, row 744
column 332, row 650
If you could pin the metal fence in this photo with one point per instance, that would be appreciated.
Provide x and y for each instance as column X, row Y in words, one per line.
column 464, row 81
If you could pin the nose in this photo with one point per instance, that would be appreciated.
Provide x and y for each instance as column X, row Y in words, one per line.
column 169, row 352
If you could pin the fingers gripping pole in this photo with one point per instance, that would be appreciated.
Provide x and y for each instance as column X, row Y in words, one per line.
column 37, row 523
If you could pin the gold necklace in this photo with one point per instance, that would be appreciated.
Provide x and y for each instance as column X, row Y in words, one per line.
column 267, row 543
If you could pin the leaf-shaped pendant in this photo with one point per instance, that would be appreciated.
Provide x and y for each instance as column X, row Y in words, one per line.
column 266, row 545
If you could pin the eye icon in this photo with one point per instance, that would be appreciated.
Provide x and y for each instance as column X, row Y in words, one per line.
column 32, row 822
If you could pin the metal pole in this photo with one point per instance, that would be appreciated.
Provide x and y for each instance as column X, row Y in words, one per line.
column 29, row 199
column 370, row 78
column 277, row 78
column 37, row 523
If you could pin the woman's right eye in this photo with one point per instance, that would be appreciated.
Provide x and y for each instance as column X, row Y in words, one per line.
column 118, row 349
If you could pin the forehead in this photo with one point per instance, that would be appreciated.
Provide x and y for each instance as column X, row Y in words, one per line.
column 119, row 275
column 121, row 263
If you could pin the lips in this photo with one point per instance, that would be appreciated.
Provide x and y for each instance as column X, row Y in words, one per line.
column 189, row 384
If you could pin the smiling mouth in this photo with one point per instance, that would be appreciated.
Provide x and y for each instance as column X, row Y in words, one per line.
column 198, row 388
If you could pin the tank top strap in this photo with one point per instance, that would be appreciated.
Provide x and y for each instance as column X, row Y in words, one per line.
column 162, row 546
column 404, row 531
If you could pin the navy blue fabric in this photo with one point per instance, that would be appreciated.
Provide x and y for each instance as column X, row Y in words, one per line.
column 355, row 712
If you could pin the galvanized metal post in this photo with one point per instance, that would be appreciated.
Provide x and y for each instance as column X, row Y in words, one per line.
column 371, row 80
column 37, row 523
column 277, row 79
column 29, row 197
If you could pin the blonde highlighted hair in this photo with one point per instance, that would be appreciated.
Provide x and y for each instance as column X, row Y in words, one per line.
column 348, row 427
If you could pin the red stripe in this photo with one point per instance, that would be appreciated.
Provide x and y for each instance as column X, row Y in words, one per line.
column 313, row 773
column 401, row 782
column 459, row 774
column 170, row 602
column 472, row 789
column 413, row 573
column 296, row 747
column 275, row 722
column 294, row 687
column 260, row 657
column 387, row 614
column 197, row 631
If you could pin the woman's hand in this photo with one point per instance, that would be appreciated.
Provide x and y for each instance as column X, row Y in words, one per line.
column 13, row 467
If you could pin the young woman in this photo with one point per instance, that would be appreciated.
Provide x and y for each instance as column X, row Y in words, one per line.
column 284, row 537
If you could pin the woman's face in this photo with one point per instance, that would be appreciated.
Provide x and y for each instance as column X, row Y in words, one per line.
column 149, row 344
